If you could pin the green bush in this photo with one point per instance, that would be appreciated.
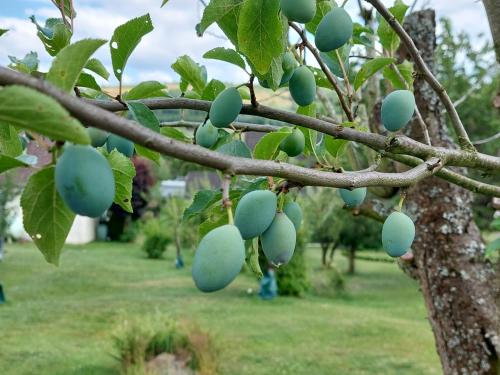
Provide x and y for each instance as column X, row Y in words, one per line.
column 140, row 340
column 156, row 238
column 292, row 277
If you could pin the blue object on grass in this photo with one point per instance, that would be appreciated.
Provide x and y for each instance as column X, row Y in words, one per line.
column 179, row 263
column 268, row 285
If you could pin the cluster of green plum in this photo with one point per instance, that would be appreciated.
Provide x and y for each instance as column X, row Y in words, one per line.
column 83, row 176
column 221, row 253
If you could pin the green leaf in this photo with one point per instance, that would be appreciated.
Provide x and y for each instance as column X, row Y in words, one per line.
column 273, row 77
column 260, row 33
column 174, row 133
column 320, row 77
column 267, row 147
column 68, row 10
column 226, row 54
column 226, row 13
column 309, row 134
column 96, row 66
column 124, row 172
column 46, row 218
column 55, row 35
column 3, row 31
column 214, row 88
column 163, row 3
column 146, row 117
column 406, row 70
column 87, row 80
column 147, row 89
column 190, row 72
column 27, row 64
column 10, row 143
column 388, row 37
column 70, row 61
column 28, row 109
column 217, row 219
column 235, row 148
column 8, row 162
column 322, row 8
column 333, row 146
column 201, row 201
column 369, row 68
column 124, row 40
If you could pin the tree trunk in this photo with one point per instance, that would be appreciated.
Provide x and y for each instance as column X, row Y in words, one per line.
column 492, row 8
column 458, row 285
column 1, row 248
column 351, row 257
column 332, row 253
column 324, row 251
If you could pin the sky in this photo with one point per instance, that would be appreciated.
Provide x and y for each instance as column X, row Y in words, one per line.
column 174, row 34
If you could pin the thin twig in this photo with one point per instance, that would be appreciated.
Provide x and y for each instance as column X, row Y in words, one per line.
column 426, row 73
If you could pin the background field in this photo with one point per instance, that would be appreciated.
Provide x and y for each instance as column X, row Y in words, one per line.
column 60, row 320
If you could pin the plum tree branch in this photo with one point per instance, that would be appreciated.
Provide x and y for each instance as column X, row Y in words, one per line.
column 95, row 116
column 426, row 73
column 243, row 126
column 329, row 75
column 90, row 113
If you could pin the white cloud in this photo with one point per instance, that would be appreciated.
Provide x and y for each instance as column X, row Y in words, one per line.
column 174, row 33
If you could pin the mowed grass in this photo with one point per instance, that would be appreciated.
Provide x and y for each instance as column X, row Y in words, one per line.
column 60, row 321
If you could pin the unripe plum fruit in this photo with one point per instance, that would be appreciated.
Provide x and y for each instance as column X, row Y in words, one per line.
column 84, row 180
column 225, row 108
column 353, row 198
column 302, row 86
column 121, row 144
column 294, row 213
column 293, row 144
column 398, row 234
column 278, row 241
column 397, row 109
column 255, row 213
column 334, row 30
column 301, row 11
column 98, row 137
column 218, row 258
column 206, row 135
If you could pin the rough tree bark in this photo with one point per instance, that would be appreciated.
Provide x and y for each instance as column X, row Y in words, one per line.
column 460, row 288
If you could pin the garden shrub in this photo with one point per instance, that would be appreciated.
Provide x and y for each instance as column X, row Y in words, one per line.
column 292, row 277
column 156, row 238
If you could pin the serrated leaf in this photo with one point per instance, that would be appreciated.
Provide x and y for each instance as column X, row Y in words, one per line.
column 190, row 72
column 260, row 32
column 10, row 143
column 87, row 80
column 322, row 8
column 216, row 220
column 235, row 148
column 226, row 54
column 26, row 108
column 174, row 134
column 27, row 64
column 46, row 218
column 146, row 117
column 55, row 35
column 146, row 89
column 214, row 88
column 201, row 201
column 70, row 61
column 387, row 36
column 226, row 13
column 124, row 172
column 8, row 162
column 125, row 39
column 406, row 70
column 267, row 146
column 96, row 66
column 369, row 68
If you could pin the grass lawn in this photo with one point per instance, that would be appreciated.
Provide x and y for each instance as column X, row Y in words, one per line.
column 59, row 321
